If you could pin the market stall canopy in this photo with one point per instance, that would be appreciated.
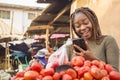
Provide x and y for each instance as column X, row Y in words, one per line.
column 43, row 36
column 55, row 15
column 7, row 33
column 59, row 35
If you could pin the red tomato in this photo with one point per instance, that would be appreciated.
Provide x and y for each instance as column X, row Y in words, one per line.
column 78, row 61
column 36, row 66
column 31, row 75
column 39, row 77
column 114, row 75
column 28, row 69
column 47, row 78
column 88, row 76
column 95, row 62
column 82, row 78
column 71, row 72
column 109, row 68
column 76, row 79
column 47, row 71
column 105, row 78
column 62, row 73
column 104, row 72
column 55, row 65
column 96, row 73
column 13, row 78
column 69, row 63
column 87, row 63
column 82, row 70
column 20, row 74
column 66, row 77
column 56, row 76
column 102, row 65
column 20, row 78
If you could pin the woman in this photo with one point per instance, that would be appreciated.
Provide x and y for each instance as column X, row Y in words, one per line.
column 99, row 47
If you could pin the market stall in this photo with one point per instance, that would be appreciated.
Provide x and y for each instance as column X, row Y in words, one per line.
column 7, row 34
column 51, row 20
column 7, row 54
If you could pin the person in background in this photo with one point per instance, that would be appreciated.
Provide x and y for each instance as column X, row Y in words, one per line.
column 99, row 47
column 41, row 55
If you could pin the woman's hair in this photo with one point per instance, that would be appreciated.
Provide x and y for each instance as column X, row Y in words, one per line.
column 96, row 32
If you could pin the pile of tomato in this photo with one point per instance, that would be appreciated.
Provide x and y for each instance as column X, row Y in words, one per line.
column 84, row 70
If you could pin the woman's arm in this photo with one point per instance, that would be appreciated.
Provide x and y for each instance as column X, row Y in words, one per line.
column 112, row 52
column 87, row 54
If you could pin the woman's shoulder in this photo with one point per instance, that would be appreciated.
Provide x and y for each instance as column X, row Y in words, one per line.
column 109, row 37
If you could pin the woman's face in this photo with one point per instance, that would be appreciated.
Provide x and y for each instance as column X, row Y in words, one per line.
column 83, row 26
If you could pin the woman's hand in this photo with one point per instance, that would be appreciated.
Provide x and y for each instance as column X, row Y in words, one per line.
column 87, row 54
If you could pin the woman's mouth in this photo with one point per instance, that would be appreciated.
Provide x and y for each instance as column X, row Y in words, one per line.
column 85, row 34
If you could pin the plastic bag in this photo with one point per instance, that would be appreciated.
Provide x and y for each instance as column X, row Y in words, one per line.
column 60, row 55
column 4, row 75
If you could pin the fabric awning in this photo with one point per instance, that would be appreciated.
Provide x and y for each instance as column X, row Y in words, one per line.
column 6, row 31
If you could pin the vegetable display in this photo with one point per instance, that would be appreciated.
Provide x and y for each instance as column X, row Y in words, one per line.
column 84, row 70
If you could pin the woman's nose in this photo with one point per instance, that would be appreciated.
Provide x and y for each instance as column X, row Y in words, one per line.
column 82, row 27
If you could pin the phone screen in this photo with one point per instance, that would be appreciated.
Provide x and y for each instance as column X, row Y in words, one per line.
column 80, row 42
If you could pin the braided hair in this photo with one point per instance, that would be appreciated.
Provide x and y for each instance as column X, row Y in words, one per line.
column 96, row 32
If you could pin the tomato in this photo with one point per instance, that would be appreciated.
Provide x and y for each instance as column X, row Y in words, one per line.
column 76, row 79
column 77, row 68
column 28, row 69
column 31, row 75
column 109, row 68
column 102, row 65
column 96, row 73
column 104, row 72
column 78, row 61
column 114, row 75
column 13, row 78
column 95, row 62
column 20, row 78
column 66, row 77
column 88, row 76
column 87, row 63
column 69, row 63
column 20, row 74
column 82, row 70
column 55, row 65
column 71, row 72
column 82, row 78
column 105, row 78
column 47, row 71
column 36, row 66
column 62, row 73
column 56, row 76
column 47, row 78
column 39, row 77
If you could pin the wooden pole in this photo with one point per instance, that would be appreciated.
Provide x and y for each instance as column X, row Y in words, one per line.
column 11, row 31
column 47, row 37
column 71, row 30
column 7, row 56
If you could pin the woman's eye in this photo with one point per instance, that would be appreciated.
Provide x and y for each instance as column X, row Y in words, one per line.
column 77, row 26
column 85, row 23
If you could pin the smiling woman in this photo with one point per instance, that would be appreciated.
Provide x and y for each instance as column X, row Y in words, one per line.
column 99, row 47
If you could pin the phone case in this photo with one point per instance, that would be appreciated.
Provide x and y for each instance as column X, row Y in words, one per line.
column 80, row 42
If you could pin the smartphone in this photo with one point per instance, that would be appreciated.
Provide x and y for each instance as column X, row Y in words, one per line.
column 80, row 42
